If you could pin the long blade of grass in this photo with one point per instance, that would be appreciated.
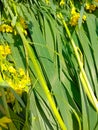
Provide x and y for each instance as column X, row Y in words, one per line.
column 86, row 85
column 46, row 62
column 41, row 79
column 91, row 25
column 84, row 110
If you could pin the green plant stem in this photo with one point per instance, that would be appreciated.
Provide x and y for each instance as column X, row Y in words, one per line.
column 77, row 117
column 5, row 103
column 11, row 125
column 4, row 97
column 41, row 78
column 83, row 77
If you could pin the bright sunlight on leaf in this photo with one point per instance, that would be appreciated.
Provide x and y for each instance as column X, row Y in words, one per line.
column 49, row 64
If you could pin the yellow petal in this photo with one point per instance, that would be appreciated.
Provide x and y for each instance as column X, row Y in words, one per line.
column 3, row 121
column 4, row 125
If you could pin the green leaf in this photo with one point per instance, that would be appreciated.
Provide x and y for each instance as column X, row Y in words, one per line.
column 88, row 56
column 91, row 25
column 17, row 97
column 17, row 50
column 85, row 114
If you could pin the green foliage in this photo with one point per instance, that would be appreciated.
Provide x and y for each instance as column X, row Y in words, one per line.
column 41, row 44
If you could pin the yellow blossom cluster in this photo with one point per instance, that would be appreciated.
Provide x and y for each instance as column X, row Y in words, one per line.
column 19, row 81
column 9, row 29
column 4, row 121
column 75, row 17
column 4, row 51
column 24, row 25
column 90, row 7
column 16, row 78
column 6, row 28
column 62, row 2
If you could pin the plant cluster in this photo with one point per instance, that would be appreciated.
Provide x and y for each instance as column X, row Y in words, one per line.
column 48, row 65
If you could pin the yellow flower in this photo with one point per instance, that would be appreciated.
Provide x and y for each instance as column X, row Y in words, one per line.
column 11, row 69
column 87, row 6
column 17, row 79
column 3, row 66
column 24, row 82
column 21, row 72
column 19, row 90
column 25, row 32
column 62, row 2
column 23, row 26
column 10, row 82
column 90, row 7
column 1, row 49
column 19, row 82
column 4, row 121
column 5, row 50
column 84, row 18
column 2, row 28
column 73, row 11
column 5, row 28
column 15, row 33
column 74, row 19
column 23, row 23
